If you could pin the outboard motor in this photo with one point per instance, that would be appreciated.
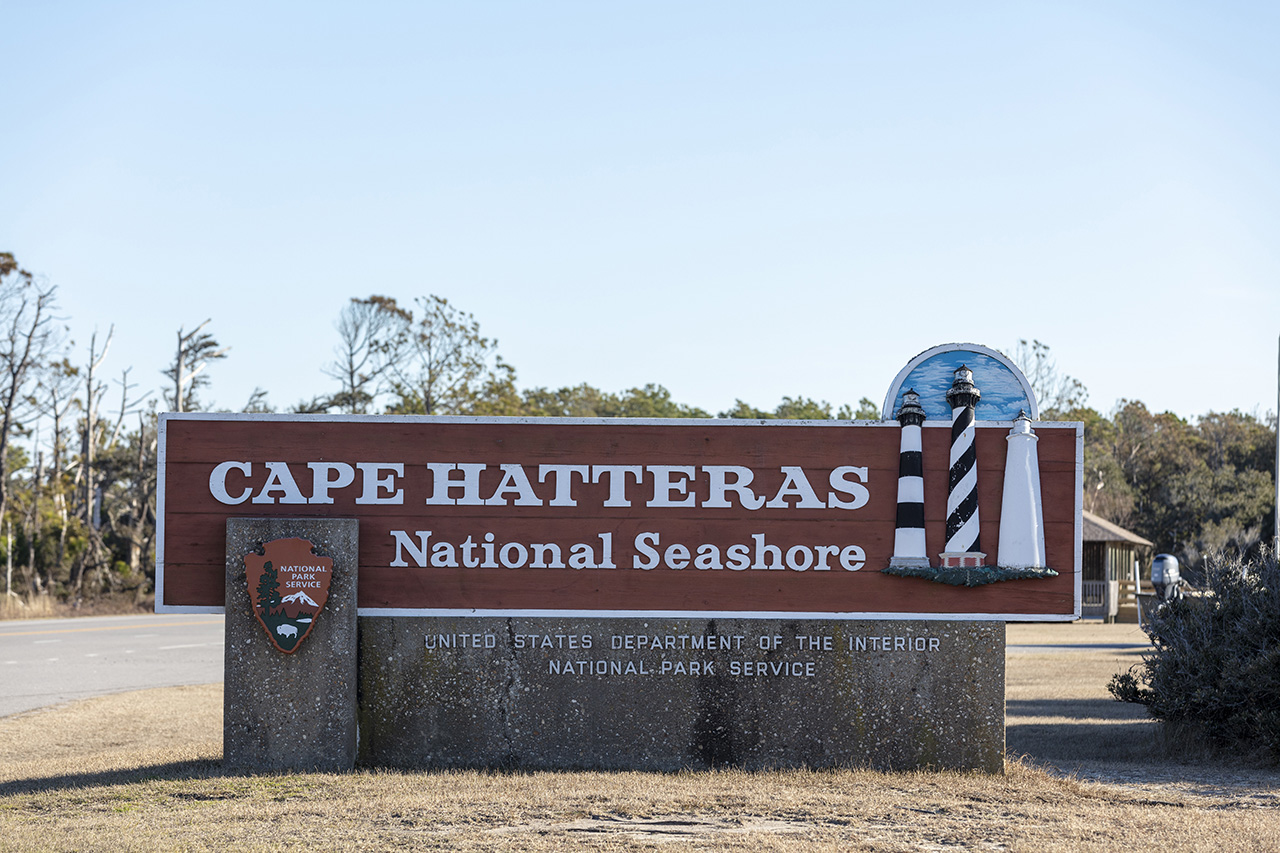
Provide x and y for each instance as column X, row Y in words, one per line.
column 1166, row 578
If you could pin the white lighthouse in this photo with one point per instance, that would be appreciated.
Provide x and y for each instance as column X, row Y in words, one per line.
column 1021, row 512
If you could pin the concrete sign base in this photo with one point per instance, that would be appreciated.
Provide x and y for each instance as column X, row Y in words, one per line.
column 292, row 710
column 669, row 694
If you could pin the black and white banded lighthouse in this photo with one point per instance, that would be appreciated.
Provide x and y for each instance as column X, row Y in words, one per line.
column 962, row 549
column 908, row 535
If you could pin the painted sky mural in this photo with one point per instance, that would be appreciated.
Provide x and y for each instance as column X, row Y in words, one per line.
column 1004, row 392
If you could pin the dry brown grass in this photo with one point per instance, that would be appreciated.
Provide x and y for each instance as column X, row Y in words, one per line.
column 45, row 606
column 18, row 607
column 1056, row 702
column 141, row 772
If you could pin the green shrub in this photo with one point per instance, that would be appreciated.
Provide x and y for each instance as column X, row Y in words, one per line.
column 1215, row 665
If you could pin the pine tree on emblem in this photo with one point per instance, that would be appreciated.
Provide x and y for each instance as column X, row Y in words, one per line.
column 269, row 590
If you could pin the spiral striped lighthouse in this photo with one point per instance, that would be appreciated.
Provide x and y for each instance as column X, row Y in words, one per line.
column 908, row 535
column 963, row 549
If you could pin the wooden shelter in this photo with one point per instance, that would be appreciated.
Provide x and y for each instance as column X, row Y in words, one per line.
column 1112, row 570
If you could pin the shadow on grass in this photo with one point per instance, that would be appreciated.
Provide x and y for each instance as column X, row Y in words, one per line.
column 1075, row 708
column 1076, row 730
column 1084, row 741
column 175, row 770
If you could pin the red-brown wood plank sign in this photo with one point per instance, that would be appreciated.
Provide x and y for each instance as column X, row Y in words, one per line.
column 688, row 518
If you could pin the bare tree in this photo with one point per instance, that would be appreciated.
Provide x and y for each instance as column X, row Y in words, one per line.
column 89, row 479
column 368, row 330
column 1056, row 392
column 33, row 524
column 56, row 397
column 130, row 514
column 436, row 361
column 89, row 435
column 129, row 404
column 257, row 402
column 28, row 336
column 195, row 350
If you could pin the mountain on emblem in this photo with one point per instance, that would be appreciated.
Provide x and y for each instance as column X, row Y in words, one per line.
column 288, row 586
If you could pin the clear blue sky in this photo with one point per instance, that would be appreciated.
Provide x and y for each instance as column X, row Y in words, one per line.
column 735, row 200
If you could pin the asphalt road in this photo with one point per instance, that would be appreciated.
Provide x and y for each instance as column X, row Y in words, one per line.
column 51, row 661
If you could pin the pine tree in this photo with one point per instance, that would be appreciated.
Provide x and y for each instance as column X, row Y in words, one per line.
column 269, row 590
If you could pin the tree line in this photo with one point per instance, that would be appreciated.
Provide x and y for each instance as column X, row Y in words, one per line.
column 78, row 452
column 1195, row 488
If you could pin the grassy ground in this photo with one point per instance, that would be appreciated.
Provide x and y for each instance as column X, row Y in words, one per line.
column 141, row 772
column 43, row 606
column 17, row 607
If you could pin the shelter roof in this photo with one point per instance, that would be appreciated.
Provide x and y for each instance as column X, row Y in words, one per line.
column 1098, row 529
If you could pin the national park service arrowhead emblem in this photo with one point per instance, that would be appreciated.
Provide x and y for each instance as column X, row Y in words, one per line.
column 288, row 585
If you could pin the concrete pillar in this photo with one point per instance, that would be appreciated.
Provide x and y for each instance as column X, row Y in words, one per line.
column 290, row 667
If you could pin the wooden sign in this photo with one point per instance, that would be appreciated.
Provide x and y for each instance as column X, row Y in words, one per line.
column 562, row 517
